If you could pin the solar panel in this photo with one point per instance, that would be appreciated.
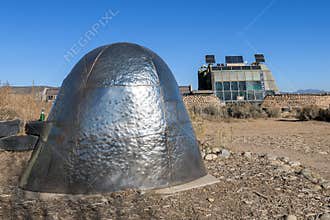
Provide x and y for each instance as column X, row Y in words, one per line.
column 210, row 59
column 260, row 58
column 234, row 59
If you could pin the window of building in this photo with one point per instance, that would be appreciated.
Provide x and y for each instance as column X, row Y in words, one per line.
column 250, row 95
column 226, row 86
column 236, row 68
column 246, row 67
column 242, row 86
column 234, row 85
column 235, row 94
column 242, row 93
column 227, row 96
column 220, row 95
column 256, row 67
column 239, row 90
column 218, row 86
column 259, row 95
column 253, row 85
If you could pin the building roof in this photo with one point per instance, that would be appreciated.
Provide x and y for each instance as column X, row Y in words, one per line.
column 185, row 90
column 52, row 91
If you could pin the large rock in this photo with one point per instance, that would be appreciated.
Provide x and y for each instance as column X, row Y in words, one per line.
column 290, row 217
column 326, row 185
column 211, row 157
column 225, row 153
column 308, row 174
column 325, row 216
column 8, row 128
column 18, row 143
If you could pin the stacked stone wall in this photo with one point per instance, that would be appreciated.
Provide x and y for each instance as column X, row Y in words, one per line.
column 202, row 101
column 297, row 100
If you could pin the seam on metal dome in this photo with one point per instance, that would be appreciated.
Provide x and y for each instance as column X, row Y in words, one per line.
column 94, row 63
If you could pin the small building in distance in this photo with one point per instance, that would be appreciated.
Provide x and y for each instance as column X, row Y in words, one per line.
column 235, row 80
column 185, row 90
column 50, row 94
column 43, row 93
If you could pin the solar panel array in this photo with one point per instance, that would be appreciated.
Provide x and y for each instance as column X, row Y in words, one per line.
column 210, row 59
column 234, row 59
column 260, row 58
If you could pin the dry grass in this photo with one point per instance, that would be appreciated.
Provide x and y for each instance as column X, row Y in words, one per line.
column 25, row 107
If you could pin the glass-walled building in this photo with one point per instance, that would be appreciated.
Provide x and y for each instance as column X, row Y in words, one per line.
column 236, row 81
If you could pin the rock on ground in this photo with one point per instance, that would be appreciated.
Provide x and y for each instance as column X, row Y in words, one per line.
column 325, row 216
column 225, row 153
column 290, row 217
column 248, row 188
column 211, row 157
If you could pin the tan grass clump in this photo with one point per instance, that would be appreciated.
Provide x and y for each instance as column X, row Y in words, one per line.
column 24, row 106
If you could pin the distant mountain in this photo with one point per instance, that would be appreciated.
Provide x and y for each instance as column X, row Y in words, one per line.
column 310, row 91
column 307, row 91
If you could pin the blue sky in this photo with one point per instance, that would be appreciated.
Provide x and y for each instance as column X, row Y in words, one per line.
column 293, row 34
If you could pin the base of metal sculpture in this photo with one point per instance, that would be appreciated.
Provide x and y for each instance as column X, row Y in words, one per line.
column 196, row 184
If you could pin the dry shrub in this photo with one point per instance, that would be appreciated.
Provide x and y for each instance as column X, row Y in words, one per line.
column 199, row 128
column 294, row 112
column 310, row 112
column 219, row 112
column 245, row 110
column 24, row 106
column 324, row 115
column 234, row 110
column 273, row 112
column 7, row 114
column 5, row 90
column 313, row 112
column 208, row 110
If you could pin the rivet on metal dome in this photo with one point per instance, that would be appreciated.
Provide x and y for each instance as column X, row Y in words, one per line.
column 118, row 123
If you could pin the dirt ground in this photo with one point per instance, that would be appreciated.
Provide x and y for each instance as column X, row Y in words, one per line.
column 306, row 142
column 252, row 186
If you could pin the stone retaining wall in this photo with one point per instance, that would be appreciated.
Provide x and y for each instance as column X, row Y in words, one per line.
column 297, row 100
column 199, row 100
column 280, row 101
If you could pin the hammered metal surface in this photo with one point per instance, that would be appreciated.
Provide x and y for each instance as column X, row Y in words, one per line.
column 118, row 122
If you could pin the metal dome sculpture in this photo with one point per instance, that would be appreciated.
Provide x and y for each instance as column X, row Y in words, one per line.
column 118, row 123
